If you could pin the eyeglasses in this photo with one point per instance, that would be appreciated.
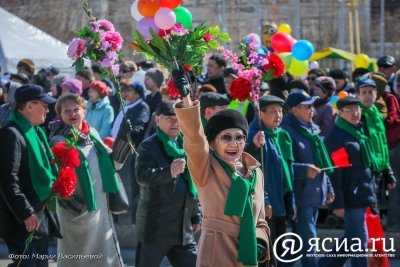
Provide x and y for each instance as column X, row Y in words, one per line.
column 41, row 103
column 227, row 138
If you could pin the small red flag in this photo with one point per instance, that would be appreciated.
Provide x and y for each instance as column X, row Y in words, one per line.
column 340, row 158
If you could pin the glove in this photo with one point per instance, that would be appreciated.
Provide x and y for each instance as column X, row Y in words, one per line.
column 388, row 176
column 125, row 129
column 180, row 82
column 261, row 250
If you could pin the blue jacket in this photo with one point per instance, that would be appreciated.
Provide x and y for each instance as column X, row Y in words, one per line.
column 308, row 192
column 101, row 117
column 274, row 193
column 354, row 186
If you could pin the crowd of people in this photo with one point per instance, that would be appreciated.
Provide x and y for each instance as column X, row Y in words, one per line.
column 203, row 162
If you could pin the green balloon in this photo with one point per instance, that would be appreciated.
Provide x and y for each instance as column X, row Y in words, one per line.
column 286, row 58
column 183, row 16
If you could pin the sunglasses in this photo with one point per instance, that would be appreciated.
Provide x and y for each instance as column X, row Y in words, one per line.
column 227, row 138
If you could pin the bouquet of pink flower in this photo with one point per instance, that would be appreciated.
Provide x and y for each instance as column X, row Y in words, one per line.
column 257, row 65
column 97, row 41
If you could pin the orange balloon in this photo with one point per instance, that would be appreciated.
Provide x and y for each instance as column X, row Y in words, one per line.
column 148, row 8
column 343, row 94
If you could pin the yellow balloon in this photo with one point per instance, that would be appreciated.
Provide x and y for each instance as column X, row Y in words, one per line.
column 361, row 61
column 285, row 28
column 298, row 68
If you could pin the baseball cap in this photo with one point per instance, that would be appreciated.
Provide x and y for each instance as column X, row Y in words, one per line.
column 300, row 97
column 31, row 92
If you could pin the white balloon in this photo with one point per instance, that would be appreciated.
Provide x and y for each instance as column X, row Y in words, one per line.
column 135, row 12
column 314, row 65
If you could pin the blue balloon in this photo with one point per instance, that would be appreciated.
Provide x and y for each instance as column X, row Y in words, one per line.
column 302, row 50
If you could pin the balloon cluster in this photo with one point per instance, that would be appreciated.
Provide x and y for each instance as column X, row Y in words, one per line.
column 333, row 100
column 159, row 15
column 294, row 54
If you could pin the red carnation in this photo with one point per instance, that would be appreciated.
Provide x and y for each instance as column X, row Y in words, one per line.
column 65, row 184
column 207, row 37
column 60, row 150
column 240, row 89
column 172, row 91
column 72, row 160
column 163, row 33
column 186, row 67
column 275, row 66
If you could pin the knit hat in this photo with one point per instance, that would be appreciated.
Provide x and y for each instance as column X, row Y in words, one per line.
column 73, row 85
column 156, row 75
column 85, row 73
column 225, row 119
column 100, row 87
column 326, row 84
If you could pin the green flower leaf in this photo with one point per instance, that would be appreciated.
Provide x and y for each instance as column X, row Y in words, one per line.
column 224, row 37
column 214, row 30
column 214, row 44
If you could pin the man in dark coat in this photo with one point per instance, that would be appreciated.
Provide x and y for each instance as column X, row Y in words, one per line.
column 26, row 177
column 355, row 185
column 168, row 213
column 311, row 186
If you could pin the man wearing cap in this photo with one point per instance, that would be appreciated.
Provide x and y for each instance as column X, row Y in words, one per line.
column 378, row 133
column 324, row 113
column 387, row 66
column 342, row 81
column 168, row 213
column 26, row 176
column 312, row 187
column 277, row 164
column 153, row 80
column 210, row 103
column 354, row 185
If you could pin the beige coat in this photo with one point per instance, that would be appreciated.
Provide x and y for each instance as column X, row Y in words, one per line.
column 218, row 245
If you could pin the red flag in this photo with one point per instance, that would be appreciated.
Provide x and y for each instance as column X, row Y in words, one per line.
column 375, row 231
column 340, row 158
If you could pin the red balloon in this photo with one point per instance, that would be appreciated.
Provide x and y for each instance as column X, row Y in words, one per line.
column 282, row 42
column 148, row 7
column 172, row 4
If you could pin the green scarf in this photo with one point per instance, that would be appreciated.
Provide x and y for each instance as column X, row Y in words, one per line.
column 322, row 159
column 42, row 173
column 108, row 177
column 203, row 122
column 283, row 144
column 239, row 203
column 377, row 137
column 366, row 149
column 176, row 153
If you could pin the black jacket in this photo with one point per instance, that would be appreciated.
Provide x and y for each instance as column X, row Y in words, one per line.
column 139, row 116
column 18, row 199
column 166, row 210
column 354, row 186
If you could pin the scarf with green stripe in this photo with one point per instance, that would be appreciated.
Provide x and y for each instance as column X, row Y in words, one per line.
column 109, row 179
column 321, row 156
column 358, row 133
column 283, row 144
column 377, row 136
column 177, row 153
column 42, row 173
column 239, row 202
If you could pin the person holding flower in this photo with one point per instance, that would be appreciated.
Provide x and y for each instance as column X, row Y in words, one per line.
column 230, row 185
column 27, row 176
column 85, row 219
